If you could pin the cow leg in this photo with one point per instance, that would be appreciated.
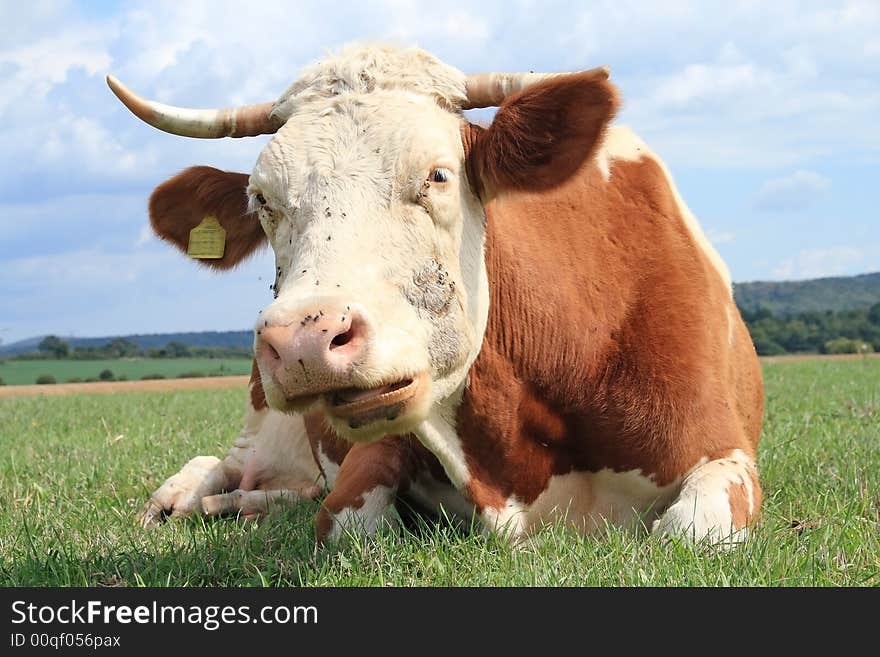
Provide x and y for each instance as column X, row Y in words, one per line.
column 365, row 489
column 718, row 500
column 271, row 453
column 182, row 493
column 252, row 504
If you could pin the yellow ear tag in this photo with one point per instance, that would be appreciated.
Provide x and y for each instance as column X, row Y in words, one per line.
column 207, row 240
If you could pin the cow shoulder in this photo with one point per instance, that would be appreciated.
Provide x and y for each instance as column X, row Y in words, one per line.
column 622, row 145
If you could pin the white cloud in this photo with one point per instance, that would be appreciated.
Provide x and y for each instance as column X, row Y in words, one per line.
column 698, row 85
column 87, row 141
column 151, row 289
column 87, row 269
column 736, row 85
column 702, row 85
column 797, row 191
column 145, row 236
column 784, row 270
column 768, row 112
column 32, row 224
column 800, row 61
column 47, row 61
column 59, row 124
column 832, row 261
column 51, row 58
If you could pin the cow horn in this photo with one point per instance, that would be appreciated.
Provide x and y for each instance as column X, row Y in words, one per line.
column 490, row 89
column 244, row 121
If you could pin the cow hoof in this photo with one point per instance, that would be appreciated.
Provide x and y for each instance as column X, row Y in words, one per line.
column 718, row 501
column 349, row 523
column 181, row 494
column 151, row 515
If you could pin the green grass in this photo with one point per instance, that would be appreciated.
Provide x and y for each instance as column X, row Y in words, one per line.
column 74, row 470
column 25, row 372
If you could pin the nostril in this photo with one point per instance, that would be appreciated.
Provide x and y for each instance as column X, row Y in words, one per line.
column 349, row 335
column 342, row 339
column 270, row 351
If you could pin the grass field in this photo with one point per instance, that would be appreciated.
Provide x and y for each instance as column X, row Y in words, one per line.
column 74, row 470
column 25, row 372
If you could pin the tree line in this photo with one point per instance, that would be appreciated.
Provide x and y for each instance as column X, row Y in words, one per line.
column 829, row 332
column 53, row 347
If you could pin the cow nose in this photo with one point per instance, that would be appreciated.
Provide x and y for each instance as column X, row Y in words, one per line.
column 316, row 351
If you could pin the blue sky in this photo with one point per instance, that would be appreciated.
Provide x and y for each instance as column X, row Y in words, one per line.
column 766, row 114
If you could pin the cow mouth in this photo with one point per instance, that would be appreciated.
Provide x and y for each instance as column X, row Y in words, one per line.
column 360, row 406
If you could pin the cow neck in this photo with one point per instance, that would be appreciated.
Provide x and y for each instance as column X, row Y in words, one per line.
column 546, row 344
column 558, row 292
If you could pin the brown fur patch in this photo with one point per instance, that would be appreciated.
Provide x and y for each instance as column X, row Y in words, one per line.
column 739, row 505
column 393, row 462
column 322, row 436
column 607, row 340
column 542, row 135
column 738, row 495
column 179, row 204
column 323, row 524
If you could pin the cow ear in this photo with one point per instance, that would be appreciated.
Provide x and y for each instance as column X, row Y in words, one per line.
column 541, row 136
column 181, row 203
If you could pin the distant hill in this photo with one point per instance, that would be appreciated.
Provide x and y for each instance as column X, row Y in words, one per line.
column 20, row 347
column 780, row 297
column 227, row 339
column 816, row 295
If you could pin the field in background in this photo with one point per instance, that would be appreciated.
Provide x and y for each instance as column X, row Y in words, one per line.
column 25, row 372
column 114, row 387
column 75, row 469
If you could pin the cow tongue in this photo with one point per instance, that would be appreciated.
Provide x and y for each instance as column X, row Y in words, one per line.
column 352, row 395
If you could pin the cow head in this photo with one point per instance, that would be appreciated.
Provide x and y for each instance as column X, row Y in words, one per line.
column 371, row 195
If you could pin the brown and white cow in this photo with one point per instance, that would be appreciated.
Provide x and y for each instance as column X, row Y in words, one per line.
column 522, row 321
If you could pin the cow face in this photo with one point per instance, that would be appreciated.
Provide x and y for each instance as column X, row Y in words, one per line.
column 380, row 285
column 372, row 202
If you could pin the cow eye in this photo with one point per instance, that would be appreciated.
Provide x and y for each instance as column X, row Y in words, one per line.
column 440, row 175
column 261, row 199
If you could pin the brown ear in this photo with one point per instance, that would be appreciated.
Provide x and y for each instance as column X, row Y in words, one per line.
column 179, row 204
column 542, row 135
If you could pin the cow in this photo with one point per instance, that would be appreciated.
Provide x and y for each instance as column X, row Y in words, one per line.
column 521, row 322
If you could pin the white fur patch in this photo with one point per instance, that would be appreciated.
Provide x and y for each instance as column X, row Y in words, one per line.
column 586, row 501
column 364, row 68
column 330, row 468
column 438, row 434
column 376, row 510
column 353, row 224
column 182, row 493
column 620, row 143
column 273, row 451
column 702, row 510
column 509, row 521
column 440, row 497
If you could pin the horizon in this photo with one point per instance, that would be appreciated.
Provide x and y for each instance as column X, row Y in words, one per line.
column 4, row 344
column 763, row 114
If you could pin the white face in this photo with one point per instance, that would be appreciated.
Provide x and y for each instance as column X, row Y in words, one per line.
column 378, row 238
